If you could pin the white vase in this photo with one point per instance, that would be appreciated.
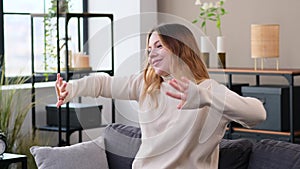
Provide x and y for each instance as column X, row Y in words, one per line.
column 221, row 50
column 204, row 49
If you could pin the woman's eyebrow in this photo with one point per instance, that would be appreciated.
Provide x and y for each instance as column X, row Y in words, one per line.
column 158, row 41
column 154, row 44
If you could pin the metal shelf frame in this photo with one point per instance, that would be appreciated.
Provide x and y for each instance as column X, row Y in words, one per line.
column 288, row 74
column 68, row 74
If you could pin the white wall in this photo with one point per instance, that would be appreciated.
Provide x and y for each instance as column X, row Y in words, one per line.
column 130, row 27
column 236, row 28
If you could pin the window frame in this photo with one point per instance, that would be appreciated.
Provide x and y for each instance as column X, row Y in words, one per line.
column 50, row 77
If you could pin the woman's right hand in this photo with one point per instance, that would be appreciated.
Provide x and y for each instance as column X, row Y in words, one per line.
column 61, row 93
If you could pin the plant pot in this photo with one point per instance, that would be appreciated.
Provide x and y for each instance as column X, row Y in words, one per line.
column 63, row 6
column 221, row 52
column 204, row 49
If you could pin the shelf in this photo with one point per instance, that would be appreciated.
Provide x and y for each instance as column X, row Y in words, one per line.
column 55, row 128
column 257, row 71
column 69, row 73
column 289, row 75
column 282, row 133
column 63, row 129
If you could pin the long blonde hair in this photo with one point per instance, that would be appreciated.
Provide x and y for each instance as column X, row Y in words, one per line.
column 181, row 42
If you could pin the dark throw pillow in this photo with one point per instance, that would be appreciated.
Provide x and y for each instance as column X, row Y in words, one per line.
column 121, row 143
column 273, row 154
column 234, row 154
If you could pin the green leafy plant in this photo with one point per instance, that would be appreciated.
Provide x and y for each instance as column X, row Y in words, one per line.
column 210, row 12
column 50, row 33
column 14, row 107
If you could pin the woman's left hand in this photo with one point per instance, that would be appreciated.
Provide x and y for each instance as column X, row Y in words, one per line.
column 182, row 87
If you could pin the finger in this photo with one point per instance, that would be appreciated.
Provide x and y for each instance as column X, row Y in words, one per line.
column 58, row 78
column 174, row 84
column 184, row 83
column 174, row 95
column 59, row 103
column 181, row 86
column 179, row 106
column 180, row 96
column 62, row 88
column 63, row 95
column 185, row 80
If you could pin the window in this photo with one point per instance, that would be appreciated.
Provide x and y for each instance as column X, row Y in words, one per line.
column 17, row 32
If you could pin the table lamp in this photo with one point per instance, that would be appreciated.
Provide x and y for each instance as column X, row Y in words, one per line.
column 265, row 42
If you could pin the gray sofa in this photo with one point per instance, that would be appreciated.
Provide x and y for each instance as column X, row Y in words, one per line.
column 122, row 143
column 117, row 147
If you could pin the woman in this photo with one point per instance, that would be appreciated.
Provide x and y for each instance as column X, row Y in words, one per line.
column 183, row 114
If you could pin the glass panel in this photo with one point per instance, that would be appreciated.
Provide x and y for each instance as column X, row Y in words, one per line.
column 17, row 45
column 17, row 39
column 24, row 6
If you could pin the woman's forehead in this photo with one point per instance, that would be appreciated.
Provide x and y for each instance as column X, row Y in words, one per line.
column 154, row 38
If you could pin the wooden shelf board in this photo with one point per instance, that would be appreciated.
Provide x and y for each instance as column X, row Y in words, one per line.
column 282, row 133
column 252, row 70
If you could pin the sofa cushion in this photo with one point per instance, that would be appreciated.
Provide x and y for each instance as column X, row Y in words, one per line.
column 272, row 154
column 234, row 154
column 121, row 143
column 87, row 155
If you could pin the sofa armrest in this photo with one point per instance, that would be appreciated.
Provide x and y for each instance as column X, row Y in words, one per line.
column 121, row 144
column 275, row 154
column 235, row 154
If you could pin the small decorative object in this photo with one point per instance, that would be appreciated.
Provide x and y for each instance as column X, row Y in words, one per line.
column 213, row 12
column 221, row 52
column 204, row 40
column 3, row 144
column 265, row 42
column 63, row 6
column 63, row 50
column 204, row 48
column 81, row 61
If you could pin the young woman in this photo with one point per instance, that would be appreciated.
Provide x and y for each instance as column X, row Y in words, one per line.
column 183, row 113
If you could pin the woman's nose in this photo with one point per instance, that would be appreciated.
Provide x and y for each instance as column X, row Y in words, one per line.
column 152, row 53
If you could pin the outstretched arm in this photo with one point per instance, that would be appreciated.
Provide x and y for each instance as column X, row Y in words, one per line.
column 244, row 110
column 125, row 88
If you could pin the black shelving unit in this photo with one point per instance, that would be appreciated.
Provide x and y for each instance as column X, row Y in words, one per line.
column 68, row 74
column 289, row 75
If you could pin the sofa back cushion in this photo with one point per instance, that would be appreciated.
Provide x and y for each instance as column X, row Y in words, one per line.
column 272, row 154
column 235, row 154
column 121, row 143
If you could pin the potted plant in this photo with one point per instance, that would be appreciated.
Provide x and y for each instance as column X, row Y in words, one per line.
column 13, row 111
column 213, row 12
column 203, row 17
column 219, row 12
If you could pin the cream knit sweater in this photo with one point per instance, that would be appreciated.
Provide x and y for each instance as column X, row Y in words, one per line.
column 171, row 138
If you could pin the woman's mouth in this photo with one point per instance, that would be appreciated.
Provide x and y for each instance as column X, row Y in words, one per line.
column 155, row 62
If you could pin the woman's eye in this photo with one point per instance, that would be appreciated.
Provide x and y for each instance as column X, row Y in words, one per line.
column 159, row 46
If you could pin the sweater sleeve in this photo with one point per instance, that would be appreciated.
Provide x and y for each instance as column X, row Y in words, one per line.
column 247, row 111
column 124, row 88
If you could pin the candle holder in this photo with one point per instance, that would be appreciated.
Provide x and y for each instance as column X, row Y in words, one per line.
column 205, row 42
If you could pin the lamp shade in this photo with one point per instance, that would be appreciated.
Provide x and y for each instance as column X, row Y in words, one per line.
column 264, row 40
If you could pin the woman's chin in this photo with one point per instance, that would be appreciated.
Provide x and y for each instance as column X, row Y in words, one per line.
column 161, row 72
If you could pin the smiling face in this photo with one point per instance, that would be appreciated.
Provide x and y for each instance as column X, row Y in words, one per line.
column 159, row 56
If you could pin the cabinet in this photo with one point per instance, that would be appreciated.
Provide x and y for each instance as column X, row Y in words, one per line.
column 289, row 75
column 68, row 72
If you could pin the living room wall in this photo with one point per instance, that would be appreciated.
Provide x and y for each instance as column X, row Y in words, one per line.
column 129, row 31
column 236, row 28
